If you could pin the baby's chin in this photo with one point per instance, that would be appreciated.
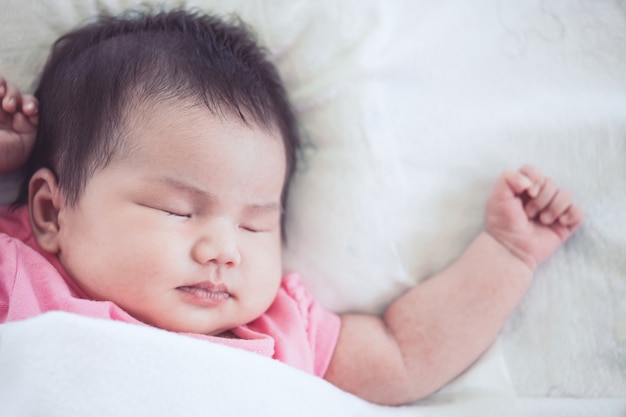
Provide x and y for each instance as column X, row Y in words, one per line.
column 187, row 327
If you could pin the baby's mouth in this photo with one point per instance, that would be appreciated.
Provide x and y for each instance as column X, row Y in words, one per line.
column 207, row 291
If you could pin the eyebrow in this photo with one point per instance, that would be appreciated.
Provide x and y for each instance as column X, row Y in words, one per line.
column 199, row 193
column 266, row 207
column 186, row 187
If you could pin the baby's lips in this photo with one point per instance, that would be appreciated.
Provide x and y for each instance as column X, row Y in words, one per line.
column 208, row 285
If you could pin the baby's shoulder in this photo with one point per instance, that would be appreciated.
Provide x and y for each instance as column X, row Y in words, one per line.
column 293, row 287
column 15, row 222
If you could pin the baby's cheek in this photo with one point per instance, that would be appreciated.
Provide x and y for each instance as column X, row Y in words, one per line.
column 85, row 271
column 143, row 263
column 78, row 254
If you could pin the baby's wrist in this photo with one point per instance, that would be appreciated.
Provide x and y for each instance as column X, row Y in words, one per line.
column 527, row 260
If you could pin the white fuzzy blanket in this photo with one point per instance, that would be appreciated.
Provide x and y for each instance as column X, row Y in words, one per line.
column 61, row 365
column 411, row 108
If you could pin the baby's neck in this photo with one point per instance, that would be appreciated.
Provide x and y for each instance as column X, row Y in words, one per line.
column 228, row 334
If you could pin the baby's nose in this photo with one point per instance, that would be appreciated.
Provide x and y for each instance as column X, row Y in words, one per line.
column 218, row 245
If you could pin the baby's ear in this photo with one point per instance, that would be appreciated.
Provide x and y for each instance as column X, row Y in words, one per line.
column 44, row 203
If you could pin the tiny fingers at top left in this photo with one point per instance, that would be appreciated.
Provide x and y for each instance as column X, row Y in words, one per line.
column 10, row 98
column 30, row 105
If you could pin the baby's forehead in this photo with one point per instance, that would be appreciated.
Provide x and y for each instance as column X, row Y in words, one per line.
column 179, row 105
column 144, row 119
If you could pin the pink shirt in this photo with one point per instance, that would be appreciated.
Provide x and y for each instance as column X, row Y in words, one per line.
column 295, row 329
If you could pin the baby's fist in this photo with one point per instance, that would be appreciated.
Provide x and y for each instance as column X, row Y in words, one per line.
column 530, row 215
column 18, row 126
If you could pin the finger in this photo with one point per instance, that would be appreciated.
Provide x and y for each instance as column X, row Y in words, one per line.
column 572, row 218
column 34, row 119
column 536, row 176
column 5, row 117
column 3, row 87
column 517, row 181
column 544, row 196
column 30, row 107
column 561, row 202
column 22, row 124
column 12, row 98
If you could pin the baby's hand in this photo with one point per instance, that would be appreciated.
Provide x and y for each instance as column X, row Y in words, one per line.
column 18, row 126
column 530, row 215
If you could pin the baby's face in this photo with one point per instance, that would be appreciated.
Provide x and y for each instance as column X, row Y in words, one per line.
column 183, row 232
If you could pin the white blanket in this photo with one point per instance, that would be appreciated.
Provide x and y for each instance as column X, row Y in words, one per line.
column 65, row 365
column 410, row 110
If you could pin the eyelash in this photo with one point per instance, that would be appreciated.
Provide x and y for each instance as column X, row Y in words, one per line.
column 250, row 229
column 170, row 213
column 188, row 216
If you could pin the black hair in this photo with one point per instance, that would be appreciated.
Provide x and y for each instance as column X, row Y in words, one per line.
column 95, row 72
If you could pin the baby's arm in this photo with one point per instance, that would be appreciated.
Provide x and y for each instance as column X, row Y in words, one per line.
column 440, row 327
column 18, row 126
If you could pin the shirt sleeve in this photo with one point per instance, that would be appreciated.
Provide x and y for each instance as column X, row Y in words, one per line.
column 322, row 325
column 14, row 227
column 8, row 266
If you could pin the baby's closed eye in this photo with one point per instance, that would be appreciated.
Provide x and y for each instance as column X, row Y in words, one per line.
column 260, row 222
column 169, row 209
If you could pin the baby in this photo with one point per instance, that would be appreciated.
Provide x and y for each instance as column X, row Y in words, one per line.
column 164, row 149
